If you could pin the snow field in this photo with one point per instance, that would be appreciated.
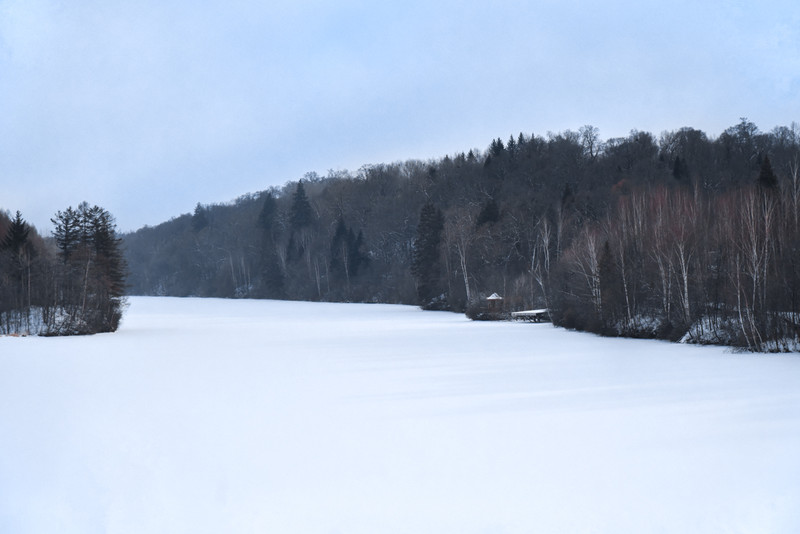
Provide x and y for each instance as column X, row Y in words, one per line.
column 263, row 416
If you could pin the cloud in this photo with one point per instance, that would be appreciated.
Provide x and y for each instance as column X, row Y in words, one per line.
column 149, row 107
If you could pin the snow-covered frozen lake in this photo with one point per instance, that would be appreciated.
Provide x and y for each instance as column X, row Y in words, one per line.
column 211, row 416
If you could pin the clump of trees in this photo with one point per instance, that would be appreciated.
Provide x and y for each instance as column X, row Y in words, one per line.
column 680, row 236
column 71, row 283
column 680, row 264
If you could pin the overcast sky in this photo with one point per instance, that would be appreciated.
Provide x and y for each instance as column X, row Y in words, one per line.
column 147, row 107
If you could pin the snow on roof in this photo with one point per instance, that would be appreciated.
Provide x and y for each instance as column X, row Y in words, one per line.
column 494, row 296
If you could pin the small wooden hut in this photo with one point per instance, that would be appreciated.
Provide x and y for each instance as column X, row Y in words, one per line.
column 494, row 303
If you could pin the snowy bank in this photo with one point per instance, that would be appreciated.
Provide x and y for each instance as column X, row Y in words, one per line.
column 208, row 416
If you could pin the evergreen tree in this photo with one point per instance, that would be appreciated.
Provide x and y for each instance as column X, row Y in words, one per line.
column 272, row 276
column 16, row 244
column 426, row 261
column 301, row 215
column 199, row 218
column 268, row 213
column 497, row 147
column 346, row 254
column 108, row 251
column 679, row 169
column 340, row 249
column 66, row 232
column 357, row 258
column 766, row 177
column 610, row 290
column 511, row 146
column 490, row 213
column 17, row 236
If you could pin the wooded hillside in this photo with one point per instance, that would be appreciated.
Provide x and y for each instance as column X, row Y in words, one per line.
column 680, row 235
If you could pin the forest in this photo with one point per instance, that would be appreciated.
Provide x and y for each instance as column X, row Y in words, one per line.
column 680, row 237
column 70, row 283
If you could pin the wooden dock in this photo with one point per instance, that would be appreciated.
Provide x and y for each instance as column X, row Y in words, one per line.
column 532, row 316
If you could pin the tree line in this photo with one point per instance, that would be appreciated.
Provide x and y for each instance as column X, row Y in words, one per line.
column 680, row 236
column 72, row 282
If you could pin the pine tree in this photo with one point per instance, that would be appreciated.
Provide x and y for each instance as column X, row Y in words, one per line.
column 17, row 236
column 767, row 178
column 426, row 260
column 301, row 214
column 610, row 290
column 199, row 218
column 497, row 148
column 346, row 254
column 16, row 243
column 340, row 249
column 357, row 258
column 66, row 232
column 272, row 275
column 511, row 146
column 490, row 213
column 108, row 251
column 679, row 169
column 273, row 279
column 268, row 213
